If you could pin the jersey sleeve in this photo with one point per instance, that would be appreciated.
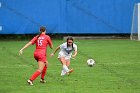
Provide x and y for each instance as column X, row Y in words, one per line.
column 34, row 40
column 62, row 46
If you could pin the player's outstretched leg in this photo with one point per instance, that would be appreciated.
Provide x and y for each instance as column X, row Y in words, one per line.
column 63, row 72
column 33, row 77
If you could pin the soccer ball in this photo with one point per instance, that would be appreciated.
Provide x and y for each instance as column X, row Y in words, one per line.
column 90, row 62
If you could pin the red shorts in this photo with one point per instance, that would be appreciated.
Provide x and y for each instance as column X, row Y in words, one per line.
column 40, row 57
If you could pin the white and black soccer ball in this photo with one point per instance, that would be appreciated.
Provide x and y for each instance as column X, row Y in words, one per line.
column 90, row 62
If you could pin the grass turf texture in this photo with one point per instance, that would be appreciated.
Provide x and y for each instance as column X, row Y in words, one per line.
column 116, row 70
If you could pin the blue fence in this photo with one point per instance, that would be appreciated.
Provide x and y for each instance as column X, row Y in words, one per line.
column 66, row 16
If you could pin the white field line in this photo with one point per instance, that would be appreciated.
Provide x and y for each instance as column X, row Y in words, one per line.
column 122, row 63
column 16, row 66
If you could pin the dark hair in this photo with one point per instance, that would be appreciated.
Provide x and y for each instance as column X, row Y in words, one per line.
column 42, row 29
column 69, row 38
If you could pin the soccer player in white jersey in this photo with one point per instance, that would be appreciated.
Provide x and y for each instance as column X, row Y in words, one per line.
column 65, row 54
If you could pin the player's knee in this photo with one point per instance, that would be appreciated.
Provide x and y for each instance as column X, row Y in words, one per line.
column 39, row 70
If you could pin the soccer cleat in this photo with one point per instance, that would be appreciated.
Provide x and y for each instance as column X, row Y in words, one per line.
column 30, row 82
column 63, row 74
column 70, row 71
column 42, row 81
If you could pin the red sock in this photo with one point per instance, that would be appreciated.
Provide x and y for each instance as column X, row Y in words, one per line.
column 43, row 72
column 35, row 75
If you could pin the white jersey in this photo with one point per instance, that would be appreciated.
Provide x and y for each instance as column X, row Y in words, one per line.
column 66, row 51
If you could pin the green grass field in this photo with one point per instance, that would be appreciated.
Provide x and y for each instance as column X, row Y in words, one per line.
column 117, row 68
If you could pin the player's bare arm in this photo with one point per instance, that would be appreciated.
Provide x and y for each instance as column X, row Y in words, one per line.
column 21, row 50
column 52, row 54
column 75, row 53
column 51, row 46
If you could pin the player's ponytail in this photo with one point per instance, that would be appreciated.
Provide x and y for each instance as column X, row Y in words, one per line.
column 42, row 29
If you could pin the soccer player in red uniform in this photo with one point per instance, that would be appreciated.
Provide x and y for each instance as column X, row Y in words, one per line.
column 42, row 41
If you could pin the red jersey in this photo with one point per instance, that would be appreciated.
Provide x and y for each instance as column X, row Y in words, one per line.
column 41, row 43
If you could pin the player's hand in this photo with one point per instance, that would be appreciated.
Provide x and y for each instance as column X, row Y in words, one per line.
column 20, row 52
column 73, row 56
column 52, row 54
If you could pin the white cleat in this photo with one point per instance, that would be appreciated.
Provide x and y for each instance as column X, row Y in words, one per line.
column 63, row 74
column 30, row 82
